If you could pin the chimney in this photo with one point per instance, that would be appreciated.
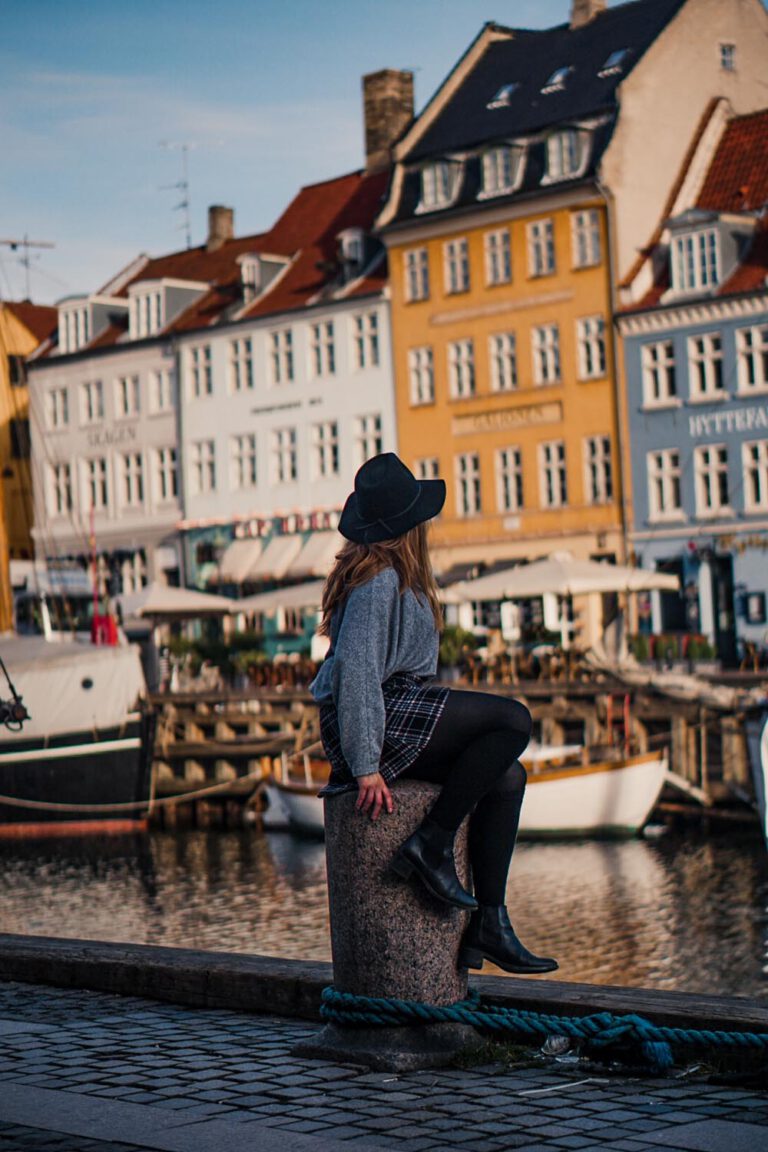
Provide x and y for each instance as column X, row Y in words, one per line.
column 221, row 226
column 582, row 11
column 388, row 107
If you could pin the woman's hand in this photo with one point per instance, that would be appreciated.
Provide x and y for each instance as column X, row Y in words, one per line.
column 373, row 795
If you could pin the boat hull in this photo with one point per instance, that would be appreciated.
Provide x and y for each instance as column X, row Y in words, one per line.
column 606, row 799
column 68, row 784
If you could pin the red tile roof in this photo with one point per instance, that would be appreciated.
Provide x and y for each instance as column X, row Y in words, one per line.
column 305, row 233
column 39, row 319
column 737, row 180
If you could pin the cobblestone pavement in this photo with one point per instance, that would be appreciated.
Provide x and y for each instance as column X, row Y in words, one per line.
column 89, row 1071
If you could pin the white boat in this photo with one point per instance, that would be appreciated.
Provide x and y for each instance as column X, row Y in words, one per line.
column 566, row 794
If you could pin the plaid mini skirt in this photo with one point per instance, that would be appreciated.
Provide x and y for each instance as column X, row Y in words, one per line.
column 412, row 708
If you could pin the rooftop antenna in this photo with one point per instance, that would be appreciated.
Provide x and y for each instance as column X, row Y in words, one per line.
column 26, row 260
column 181, row 185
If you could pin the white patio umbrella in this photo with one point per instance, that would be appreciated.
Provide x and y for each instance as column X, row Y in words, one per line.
column 308, row 595
column 162, row 602
column 562, row 575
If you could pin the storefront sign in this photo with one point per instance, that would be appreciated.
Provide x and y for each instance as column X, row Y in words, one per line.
column 505, row 418
column 729, row 420
column 106, row 437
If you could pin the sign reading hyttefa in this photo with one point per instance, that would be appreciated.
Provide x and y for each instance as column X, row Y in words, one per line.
column 728, row 420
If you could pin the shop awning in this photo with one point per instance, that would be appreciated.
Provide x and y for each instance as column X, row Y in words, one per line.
column 238, row 560
column 307, row 595
column 317, row 556
column 274, row 561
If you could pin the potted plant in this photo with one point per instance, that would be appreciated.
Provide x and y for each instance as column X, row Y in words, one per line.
column 455, row 642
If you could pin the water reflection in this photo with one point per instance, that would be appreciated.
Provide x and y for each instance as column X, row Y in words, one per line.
column 684, row 913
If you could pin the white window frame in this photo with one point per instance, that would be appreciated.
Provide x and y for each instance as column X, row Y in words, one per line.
column 590, row 341
column 281, row 361
column 553, row 474
column 365, row 340
column 706, row 371
column 200, row 372
column 166, row 475
column 754, row 459
column 145, row 313
column 160, row 391
column 96, row 483
column 456, row 266
column 665, row 485
column 728, row 57
column 502, row 170
column 752, row 354
column 567, row 155
column 696, row 260
column 498, row 257
column 439, row 185
column 74, row 328
column 241, row 373
column 468, row 491
column 322, row 349
column 416, row 273
column 540, row 236
column 598, row 470
column 283, row 455
column 132, row 480
column 426, row 468
column 421, row 375
column 91, row 402
column 659, row 367
column 547, row 362
column 586, row 239
column 243, row 457
column 710, row 470
column 368, row 436
column 60, row 492
column 461, row 369
column 324, row 445
column 509, row 479
column 57, row 408
column 127, row 397
column 502, row 353
column 202, row 467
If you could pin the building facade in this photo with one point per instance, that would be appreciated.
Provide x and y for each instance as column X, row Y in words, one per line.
column 696, row 365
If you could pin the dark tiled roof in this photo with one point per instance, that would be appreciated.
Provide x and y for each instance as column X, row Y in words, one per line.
column 737, row 180
column 529, row 58
column 39, row 319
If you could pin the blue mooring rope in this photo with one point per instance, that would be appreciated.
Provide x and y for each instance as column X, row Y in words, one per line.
column 601, row 1029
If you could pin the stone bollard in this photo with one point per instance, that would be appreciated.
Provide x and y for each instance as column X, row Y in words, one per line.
column 390, row 938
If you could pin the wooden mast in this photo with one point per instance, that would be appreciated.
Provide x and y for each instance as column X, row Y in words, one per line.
column 6, row 601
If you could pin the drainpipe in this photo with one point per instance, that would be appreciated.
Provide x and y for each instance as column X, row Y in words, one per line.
column 608, row 198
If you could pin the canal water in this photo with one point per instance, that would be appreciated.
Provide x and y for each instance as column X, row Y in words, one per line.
column 681, row 911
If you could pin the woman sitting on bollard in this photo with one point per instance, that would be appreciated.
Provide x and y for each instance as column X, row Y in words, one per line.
column 381, row 717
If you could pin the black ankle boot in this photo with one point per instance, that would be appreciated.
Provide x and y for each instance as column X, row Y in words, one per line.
column 490, row 936
column 429, row 853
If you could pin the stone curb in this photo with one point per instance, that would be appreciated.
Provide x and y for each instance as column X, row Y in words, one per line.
column 279, row 987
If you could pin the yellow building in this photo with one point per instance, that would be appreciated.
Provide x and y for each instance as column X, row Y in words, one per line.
column 23, row 326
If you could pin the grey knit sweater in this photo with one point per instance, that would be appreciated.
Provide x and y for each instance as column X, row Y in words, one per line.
column 377, row 633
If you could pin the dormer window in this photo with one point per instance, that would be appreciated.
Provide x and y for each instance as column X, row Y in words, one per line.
column 439, row 185
column 557, row 80
column 74, row 326
column 503, row 97
column 145, row 313
column 502, row 170
column 696, row 260
column 250, row 276
column 566, row 155
column 614, row 65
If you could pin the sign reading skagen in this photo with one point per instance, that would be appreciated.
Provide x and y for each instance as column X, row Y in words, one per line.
column 508, row 418
column 105, row 437
column 730, row 420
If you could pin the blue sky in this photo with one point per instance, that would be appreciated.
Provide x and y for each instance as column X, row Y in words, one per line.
column 267, row 93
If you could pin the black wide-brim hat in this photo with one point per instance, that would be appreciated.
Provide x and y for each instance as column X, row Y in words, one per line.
column 388, row 500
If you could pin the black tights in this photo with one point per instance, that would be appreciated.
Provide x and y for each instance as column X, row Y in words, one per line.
column 473, row 753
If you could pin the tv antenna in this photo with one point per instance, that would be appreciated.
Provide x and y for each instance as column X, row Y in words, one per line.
column 182, row 185
column 25, row 259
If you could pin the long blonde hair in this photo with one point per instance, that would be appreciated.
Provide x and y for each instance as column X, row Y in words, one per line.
column 357, row 563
